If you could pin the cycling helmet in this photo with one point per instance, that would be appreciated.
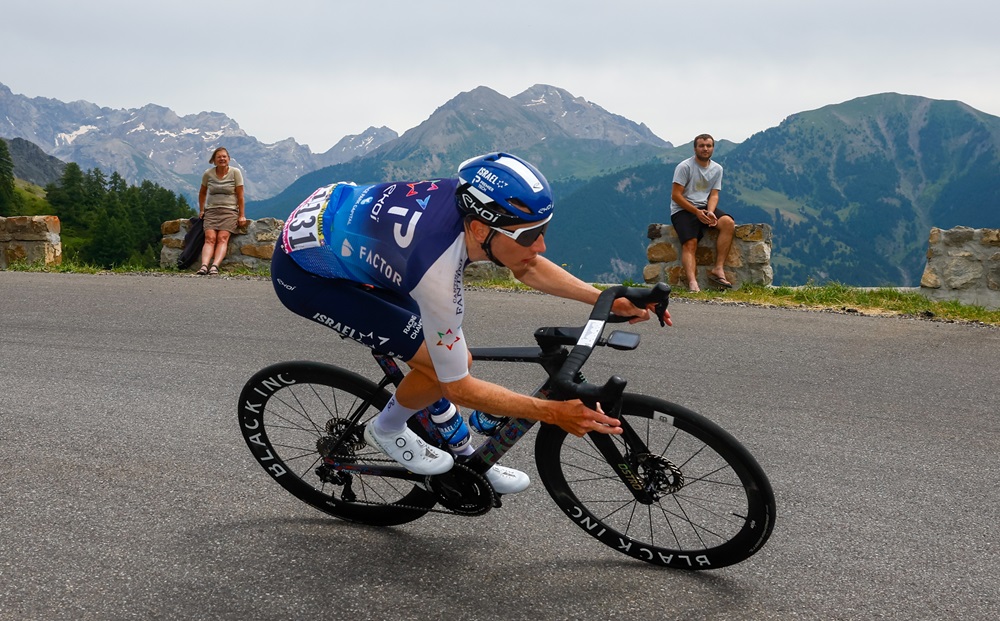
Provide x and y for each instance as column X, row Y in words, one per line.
column 503, row 190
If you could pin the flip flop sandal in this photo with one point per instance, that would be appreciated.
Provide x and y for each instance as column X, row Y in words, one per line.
column 202, row 270
column 721, row 282
column 213, row 271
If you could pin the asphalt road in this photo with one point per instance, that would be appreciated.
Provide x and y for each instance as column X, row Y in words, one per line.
column 126, row 491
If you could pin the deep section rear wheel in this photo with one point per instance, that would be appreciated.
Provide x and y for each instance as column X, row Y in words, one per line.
column 291, row 413
column 679, row 492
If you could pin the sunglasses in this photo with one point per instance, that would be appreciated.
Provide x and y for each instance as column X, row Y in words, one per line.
column 527, row 235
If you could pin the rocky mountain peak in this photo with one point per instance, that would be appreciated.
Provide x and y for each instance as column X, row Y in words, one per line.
column 583, row 119
column 155, row 143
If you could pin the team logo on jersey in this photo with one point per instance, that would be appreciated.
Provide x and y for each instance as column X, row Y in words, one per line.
column 413, row 187
column 346, row 249
column 448, row 339
column 377, row 207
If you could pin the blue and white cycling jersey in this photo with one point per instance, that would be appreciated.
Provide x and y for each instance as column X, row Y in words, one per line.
column 406, row 237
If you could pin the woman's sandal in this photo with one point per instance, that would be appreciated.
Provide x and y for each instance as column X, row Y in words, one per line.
column 213, row 271
column 202, row 270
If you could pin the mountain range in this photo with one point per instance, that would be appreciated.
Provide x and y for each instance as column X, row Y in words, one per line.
column 851, row 189
column 567, row 137
column 153, row 143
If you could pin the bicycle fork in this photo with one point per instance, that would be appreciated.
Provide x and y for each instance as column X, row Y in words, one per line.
column 625, row 466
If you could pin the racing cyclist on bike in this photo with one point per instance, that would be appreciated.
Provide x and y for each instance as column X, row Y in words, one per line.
column 383, row 264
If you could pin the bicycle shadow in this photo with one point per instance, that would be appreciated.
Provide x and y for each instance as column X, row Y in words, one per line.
column 371, row 572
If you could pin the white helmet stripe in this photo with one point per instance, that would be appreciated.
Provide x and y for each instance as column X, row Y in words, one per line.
column 481, row 196
column 522, row 171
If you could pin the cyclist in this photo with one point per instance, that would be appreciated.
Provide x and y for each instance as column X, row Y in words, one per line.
column 383, row 263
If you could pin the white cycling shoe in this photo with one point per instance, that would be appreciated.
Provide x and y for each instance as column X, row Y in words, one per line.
column 410, row 451
column 507, row 480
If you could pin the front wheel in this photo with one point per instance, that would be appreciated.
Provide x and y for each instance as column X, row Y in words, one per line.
column 675, row 490
column 292, row 414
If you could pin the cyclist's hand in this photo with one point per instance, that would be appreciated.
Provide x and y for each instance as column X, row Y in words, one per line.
column 577, row 419
column 666, row 314
column 624, row 308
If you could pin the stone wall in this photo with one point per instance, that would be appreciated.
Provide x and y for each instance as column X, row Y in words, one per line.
column 250, row 247
column 749, row 259
column 34, row 239
column 963, row 265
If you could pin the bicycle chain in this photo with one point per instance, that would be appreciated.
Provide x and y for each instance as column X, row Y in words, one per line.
column 423, row 485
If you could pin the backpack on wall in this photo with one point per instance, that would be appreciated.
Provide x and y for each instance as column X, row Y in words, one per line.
column 194, row 239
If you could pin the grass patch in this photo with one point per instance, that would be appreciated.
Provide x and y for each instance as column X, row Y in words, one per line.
column 66, row 267
column 75, row 266
column 842, row 298
column 502, row 284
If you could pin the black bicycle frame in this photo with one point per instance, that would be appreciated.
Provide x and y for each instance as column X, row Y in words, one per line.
column 562, row 367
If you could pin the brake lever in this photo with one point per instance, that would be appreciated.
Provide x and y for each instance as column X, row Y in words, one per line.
column 607, row 395
column 660, row 309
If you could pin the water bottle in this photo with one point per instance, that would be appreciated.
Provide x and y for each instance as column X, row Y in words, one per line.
column 485, row 424
column 450, row 424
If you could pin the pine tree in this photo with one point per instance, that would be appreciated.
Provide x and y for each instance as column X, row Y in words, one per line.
column 7, row 195
column 67, row 196
column 113, row 239
column 109, row 223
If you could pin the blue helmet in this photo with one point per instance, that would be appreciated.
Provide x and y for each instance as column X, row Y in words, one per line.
column 503, row 190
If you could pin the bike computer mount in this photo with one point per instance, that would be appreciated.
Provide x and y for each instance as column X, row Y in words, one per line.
column 619, row 339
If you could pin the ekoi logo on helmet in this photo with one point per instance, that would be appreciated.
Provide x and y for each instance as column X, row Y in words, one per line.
column 470, row 203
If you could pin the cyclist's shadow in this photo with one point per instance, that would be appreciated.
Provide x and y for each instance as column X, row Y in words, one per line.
column 483, row 571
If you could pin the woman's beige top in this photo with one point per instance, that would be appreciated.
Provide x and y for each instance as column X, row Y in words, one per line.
column 222, row 192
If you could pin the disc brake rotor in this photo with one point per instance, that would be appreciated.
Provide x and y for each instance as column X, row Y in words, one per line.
column 659, row 475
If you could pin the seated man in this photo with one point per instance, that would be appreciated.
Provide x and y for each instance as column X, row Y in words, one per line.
column 383, row 265
column 693, row 208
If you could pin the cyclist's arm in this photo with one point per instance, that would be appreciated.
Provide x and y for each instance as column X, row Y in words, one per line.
column 573, row 416
column 422, row 385
column 547, row 277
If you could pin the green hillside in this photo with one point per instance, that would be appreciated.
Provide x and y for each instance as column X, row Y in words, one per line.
column 851, row 190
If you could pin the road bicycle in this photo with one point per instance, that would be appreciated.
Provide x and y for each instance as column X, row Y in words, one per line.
column 674, row 489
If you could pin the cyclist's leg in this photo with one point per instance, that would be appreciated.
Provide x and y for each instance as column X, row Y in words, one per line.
column 376, row 318
column 389, row 323
column 421, row 385
column 379, row 319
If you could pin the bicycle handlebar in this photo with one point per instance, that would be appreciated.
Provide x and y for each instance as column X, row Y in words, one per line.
column 565, row 379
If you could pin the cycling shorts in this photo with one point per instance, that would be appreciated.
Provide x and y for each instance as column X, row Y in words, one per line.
column 377, row 318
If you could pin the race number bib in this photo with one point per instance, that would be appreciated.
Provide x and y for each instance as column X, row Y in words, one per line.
column 304, row 226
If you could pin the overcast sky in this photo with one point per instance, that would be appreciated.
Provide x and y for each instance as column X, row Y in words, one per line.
column 317, row 70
